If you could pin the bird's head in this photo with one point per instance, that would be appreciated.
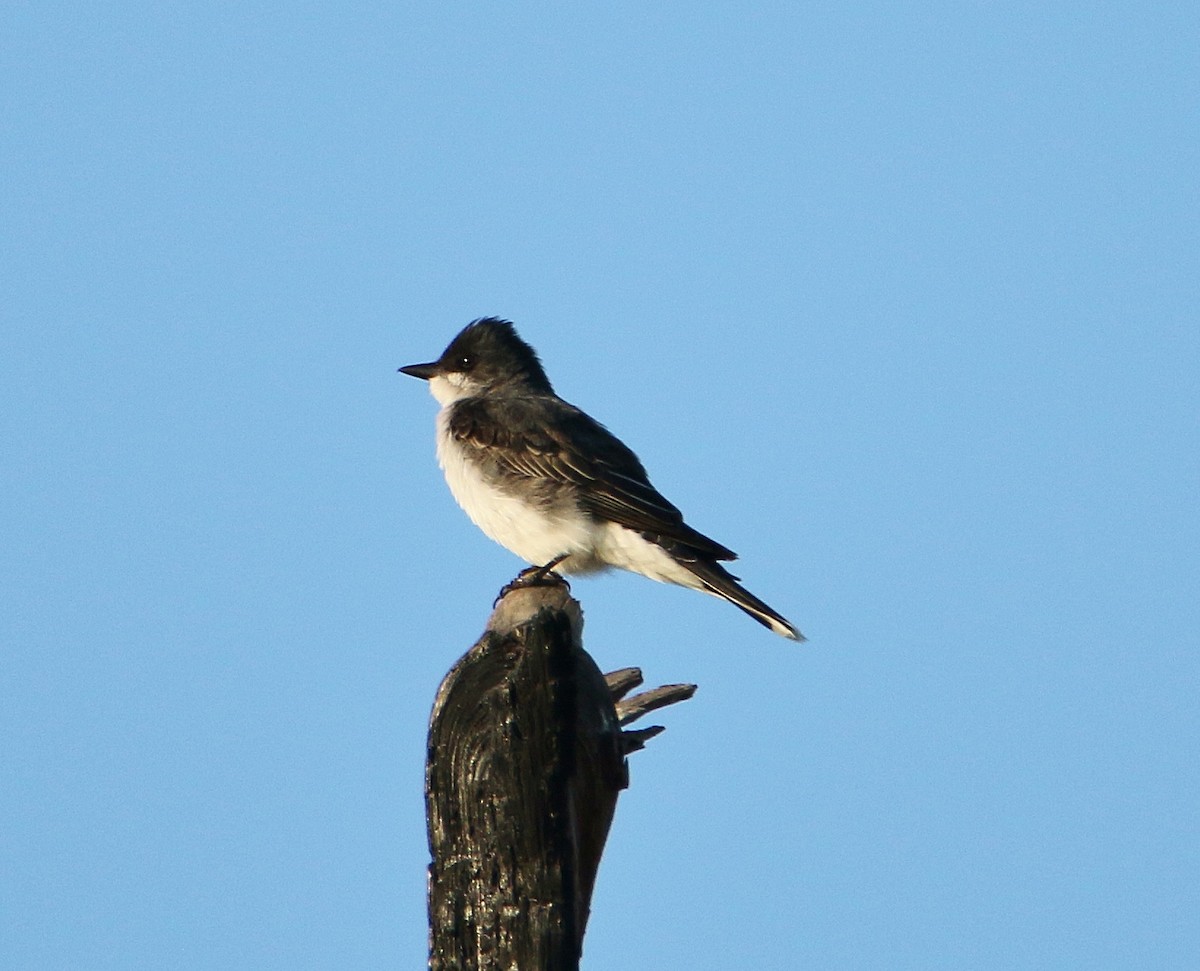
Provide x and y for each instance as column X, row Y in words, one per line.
column 487, row 356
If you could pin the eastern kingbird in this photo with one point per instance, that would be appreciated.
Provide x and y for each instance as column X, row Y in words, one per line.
column 552, row 484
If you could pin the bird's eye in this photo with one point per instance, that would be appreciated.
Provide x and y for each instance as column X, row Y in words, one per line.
column 466, row 362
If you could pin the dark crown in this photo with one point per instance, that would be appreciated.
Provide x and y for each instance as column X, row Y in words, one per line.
column 497, row 354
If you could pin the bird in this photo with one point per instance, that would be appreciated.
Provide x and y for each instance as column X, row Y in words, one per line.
column 551, row 484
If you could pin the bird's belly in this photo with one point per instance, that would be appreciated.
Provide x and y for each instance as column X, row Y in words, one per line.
column 537, row 532
column 627, row 549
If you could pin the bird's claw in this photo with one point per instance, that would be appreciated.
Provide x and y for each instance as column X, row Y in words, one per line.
column 534, row 576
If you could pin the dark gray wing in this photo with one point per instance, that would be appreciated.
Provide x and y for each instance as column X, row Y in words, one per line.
column 548, row 439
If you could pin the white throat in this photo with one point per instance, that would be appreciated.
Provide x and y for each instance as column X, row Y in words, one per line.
column 449, row 388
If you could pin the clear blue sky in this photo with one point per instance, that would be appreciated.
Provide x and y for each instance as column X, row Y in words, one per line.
column 901, row 302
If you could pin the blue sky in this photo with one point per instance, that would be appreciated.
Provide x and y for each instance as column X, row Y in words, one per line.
column 899, row 302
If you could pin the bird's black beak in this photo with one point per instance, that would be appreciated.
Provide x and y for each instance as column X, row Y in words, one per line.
column 422, row 371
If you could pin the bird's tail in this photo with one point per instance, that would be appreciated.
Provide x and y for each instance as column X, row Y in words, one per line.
column 718, row 581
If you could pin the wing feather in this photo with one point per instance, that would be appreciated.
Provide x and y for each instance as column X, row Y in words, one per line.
column 516, row 437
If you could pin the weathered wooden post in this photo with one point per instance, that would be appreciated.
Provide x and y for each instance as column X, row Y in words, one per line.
column 526, row 758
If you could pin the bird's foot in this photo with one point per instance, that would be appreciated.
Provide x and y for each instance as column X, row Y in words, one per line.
column 535, row 576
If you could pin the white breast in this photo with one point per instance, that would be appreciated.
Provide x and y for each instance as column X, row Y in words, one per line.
column 535, row 534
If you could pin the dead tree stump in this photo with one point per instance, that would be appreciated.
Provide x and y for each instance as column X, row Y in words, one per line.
column 526, row 758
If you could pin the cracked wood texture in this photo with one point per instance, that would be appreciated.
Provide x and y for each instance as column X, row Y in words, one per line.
column 525, row 762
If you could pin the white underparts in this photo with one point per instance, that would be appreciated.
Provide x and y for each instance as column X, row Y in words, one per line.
column 539, row 533
column 538, row 528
